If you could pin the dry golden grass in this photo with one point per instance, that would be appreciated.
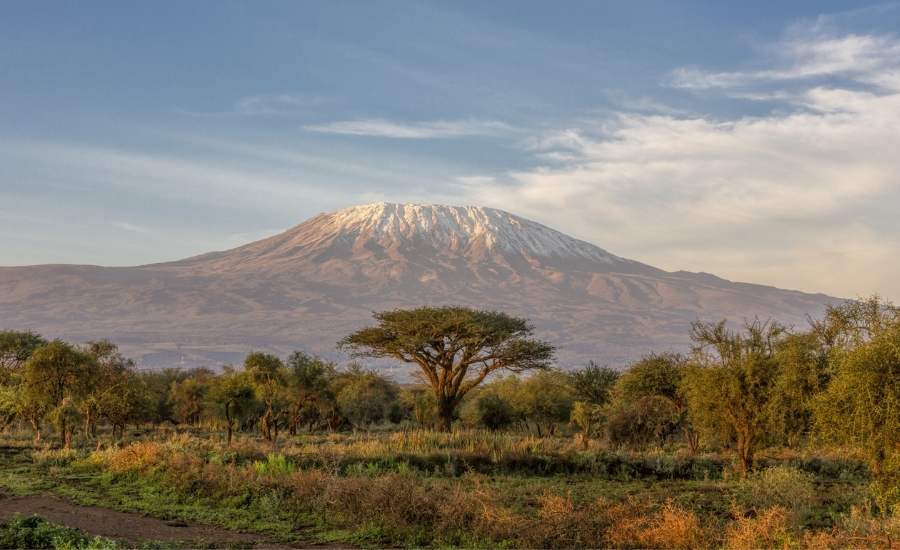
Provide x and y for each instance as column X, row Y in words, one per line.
column 635, row 525
column 768, row 529
column 137, row 457
column 472, row 509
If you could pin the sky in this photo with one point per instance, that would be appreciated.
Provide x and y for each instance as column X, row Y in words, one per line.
column 759, row 142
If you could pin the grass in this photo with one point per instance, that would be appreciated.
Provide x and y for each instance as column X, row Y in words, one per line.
column 36, row 532
column 468, row 488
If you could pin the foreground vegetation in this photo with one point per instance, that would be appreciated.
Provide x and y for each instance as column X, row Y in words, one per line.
column 36, row 532
column 470, row 488
column 762, row 437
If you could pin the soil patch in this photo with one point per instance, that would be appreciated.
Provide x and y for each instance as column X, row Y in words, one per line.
column 131, row 528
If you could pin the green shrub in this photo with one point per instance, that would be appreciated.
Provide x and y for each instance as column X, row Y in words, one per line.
column 54, row 457
column 488, row 410
column 36, row 532
column 274, row 465
column 778, row 486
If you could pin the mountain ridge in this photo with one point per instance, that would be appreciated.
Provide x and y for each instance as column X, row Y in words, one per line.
column 309, row 285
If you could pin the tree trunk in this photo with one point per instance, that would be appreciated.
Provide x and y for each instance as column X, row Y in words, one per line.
column 745, row 452
column 692, row 440
column 64, row 433
column 36, row 426
column 228, row 420
column 445, row 414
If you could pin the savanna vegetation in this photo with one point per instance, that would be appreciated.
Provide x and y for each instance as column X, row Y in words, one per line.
column 762, row 436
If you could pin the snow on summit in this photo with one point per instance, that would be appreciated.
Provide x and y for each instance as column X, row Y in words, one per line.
column 460, row 227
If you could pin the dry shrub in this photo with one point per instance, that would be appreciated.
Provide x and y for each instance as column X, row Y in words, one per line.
column 54, row 457
column 496, row 522
column 781, row 486
column 308, row 487
column 141, row 457
column 768, row 529
column 635, row 525
column 392, row 501
column 463, row 507
column 859, row 529
column 674, row 527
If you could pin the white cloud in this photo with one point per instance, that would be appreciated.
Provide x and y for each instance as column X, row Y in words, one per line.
column 796, row 198
column 172, row 177
column 126, row 226
column 265, row 105
column 377, row 127
column 805, row 56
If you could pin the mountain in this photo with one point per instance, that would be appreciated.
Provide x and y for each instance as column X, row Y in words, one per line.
column 309, row 286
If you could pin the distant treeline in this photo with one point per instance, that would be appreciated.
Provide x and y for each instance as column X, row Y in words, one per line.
column 763, row 385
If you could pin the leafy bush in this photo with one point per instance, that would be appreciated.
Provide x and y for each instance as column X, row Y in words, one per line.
column 54, row 457
column 644, row 422
column 274, row 465
column 768, row 529
column 778, row 486
column 36, row 532
column 488, row 410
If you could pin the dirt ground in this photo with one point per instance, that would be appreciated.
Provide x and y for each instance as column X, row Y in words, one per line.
column 131, row 528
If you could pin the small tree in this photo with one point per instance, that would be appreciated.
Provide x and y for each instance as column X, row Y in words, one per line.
column 861, row 405
column 455, row 348
column 308, row 378
column 114, row 393
column 233, row 397
column 545, row 399
column 658, row 376
column 189, row 396
column 488, row 410
column 15, row 349
column 728, row 392
column 363, row 397
column 269, row 380
column 803, row 373
column 56, row 377
column 593, row 384
column 593, row 387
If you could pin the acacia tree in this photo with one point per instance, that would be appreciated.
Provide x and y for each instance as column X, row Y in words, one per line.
column 57, row 376
column 268, row 375
column 728, row 391
column 659, row 376
column 592, row 386
column 114, row 392
column 455, row 348
column 233, row 397
column 363, row 397
column 861, row 404
column 15, row 348
column 308, row 379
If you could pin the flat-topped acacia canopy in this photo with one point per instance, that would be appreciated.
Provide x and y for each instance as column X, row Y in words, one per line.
column 455, row 347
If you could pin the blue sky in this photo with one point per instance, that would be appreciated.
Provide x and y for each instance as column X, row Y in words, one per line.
column 757, row 143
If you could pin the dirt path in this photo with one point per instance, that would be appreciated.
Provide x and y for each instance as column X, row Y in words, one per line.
column 131, row 528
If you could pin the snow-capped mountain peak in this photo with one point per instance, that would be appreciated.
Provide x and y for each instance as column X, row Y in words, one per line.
column 459, row 228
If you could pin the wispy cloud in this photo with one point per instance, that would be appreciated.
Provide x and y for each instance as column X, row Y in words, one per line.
column 166, row 176
column 133, row 228
column 645, row 104
column 265, row 105
column 376, row 127
column 806, row 56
